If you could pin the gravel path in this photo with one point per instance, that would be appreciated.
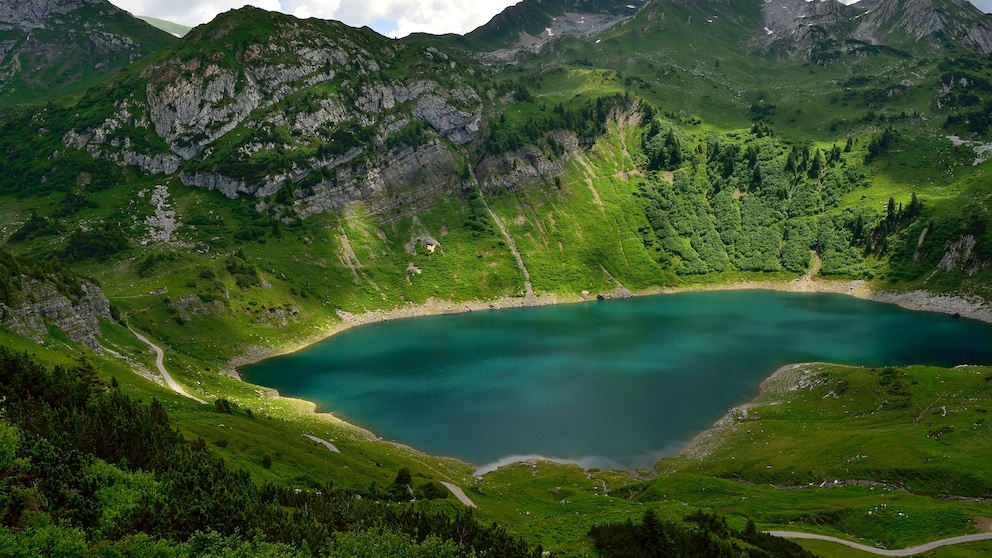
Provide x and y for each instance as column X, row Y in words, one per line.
column 326, row 444
column 460, row 494
column 160, row 364
column 911, row 551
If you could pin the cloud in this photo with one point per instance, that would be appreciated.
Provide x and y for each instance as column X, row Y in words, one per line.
column 408, row 16
column 401, row 17
column 398, row 18
column 189, row 12
column 446, row 16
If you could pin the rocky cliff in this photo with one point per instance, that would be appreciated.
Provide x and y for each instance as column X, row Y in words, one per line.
column 28, row 15
column 257, row 103
column 40, row 303
column 800, row 27
column 929, row 21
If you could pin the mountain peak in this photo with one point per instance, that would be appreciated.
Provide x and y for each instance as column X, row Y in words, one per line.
column 799, row 26
column 932, row 21
column 530, row 23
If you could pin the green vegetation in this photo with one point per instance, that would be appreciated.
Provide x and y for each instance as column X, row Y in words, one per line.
column 693, row 163
column 710, row 536
column 62, row 59
column 87, row 468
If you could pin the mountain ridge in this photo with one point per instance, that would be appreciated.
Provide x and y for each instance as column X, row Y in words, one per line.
column 267, row 180
column 50, row 48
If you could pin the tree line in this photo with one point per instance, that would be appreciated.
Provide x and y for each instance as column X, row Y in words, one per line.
column 84, row 468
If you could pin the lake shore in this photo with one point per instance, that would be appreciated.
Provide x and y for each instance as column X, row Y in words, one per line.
column 968, row 307
column 971, row 307
column 786, row 378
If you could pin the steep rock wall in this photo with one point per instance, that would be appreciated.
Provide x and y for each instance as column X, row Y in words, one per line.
column 39, row 303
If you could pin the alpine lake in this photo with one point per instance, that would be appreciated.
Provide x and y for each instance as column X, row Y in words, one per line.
column 609, row 384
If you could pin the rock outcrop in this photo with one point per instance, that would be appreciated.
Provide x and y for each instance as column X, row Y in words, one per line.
column 526, row 166
column 33, row 14
column 797, row 28
column 39, row 303
column 311, row 109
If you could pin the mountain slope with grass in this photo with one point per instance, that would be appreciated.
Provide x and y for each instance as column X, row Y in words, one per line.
column 50, row 49
column 267, row 181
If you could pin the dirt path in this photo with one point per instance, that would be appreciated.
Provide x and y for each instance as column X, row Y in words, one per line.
column 911, row 551
column 160, row 364
column 325, row 443
column 460, row 494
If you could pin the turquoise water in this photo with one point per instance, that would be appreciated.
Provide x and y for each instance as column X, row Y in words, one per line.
column 606, row 384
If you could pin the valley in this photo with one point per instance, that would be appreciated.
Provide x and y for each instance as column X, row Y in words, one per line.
column 265, row 182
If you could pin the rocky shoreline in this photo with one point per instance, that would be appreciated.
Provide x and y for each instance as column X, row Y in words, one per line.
column 786, row 378
column 971, row 307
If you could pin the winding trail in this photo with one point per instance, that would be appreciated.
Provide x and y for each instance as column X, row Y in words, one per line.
column 911, row 551
column 460, row 494
column 160, row 364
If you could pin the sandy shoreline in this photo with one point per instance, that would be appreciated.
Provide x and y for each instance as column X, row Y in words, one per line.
column 971, row 307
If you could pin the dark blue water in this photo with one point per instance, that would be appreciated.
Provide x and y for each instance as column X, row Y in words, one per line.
column 614, row 383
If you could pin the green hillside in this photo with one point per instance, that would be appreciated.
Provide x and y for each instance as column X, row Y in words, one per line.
column 268, row 181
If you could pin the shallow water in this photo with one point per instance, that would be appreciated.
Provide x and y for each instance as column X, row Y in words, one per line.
column 606, row 384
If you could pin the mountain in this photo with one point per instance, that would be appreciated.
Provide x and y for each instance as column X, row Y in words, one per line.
column 267, row 180
column 813, row 29
column 327, row 113
column 531, row 23
column 52, row 48
column 790, row 28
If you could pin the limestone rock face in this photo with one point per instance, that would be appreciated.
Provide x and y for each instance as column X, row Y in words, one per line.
column 797, row 28
column 39, row 303
column 924, row 20
column 423, row 173
column 529, row 165
column 330, row 114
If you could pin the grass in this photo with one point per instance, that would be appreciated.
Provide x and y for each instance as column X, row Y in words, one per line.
column 582, row 232
column 896, row 439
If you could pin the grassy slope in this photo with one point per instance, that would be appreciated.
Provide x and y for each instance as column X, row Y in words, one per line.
column 176, row 29
column 570, row 242
column 55, row 77
column 539, row 501
column 914, row 432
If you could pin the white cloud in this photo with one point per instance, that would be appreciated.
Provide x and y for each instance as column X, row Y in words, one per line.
column 190, row 12
column 402, row 17
column 446, row 16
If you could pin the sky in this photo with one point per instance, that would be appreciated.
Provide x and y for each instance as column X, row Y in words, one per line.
column 394, row 18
